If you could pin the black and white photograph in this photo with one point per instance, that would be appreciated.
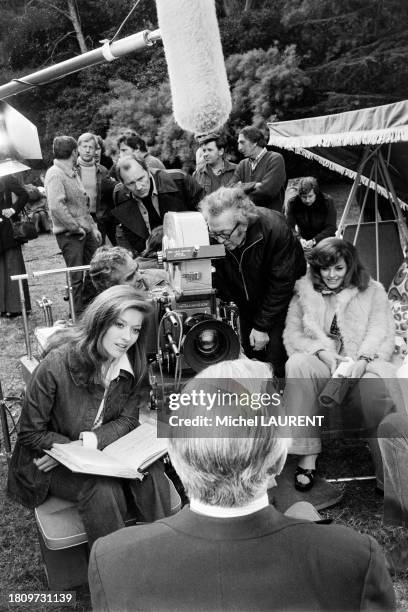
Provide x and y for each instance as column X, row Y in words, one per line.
column 203, row 305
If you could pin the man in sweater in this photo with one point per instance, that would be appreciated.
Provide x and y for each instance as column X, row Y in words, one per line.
column 262, row 174
column 76, row 232
column 215, row 171
column 98, row 185
column 229, row 549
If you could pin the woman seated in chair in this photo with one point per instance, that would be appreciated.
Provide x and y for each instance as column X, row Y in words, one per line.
column 311, row 213
column 86, row 391
column 338, row 311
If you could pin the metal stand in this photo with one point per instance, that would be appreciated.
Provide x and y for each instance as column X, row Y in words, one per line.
column 4, row 425
column 68, row 272
column 20, row 278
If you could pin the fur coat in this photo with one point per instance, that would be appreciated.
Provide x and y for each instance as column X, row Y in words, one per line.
column 364, row 319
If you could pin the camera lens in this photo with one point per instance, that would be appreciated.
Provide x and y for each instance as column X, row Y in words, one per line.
column 207, row 342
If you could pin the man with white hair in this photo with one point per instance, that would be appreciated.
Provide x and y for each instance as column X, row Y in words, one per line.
column 231, row 550
column 263, row 260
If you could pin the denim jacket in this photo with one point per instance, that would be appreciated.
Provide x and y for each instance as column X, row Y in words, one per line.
column 57, row 408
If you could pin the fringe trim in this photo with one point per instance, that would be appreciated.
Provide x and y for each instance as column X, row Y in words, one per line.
column 327, row 163
column 340, row 139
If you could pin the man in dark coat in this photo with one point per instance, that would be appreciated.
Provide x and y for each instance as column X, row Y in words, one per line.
column 230, row 550
column 144, row 196
column 263, row 261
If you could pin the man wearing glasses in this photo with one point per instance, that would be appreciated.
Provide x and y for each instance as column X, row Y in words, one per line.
column 263, row 261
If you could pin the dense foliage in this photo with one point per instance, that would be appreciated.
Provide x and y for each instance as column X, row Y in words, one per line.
column 284, row 58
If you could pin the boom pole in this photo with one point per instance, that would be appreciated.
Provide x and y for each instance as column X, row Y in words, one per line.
column 107, row 52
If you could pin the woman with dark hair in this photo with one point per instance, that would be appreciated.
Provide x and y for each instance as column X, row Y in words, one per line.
column 338, row 312
column 11, row 256
column 311, row 213
column 85, row 392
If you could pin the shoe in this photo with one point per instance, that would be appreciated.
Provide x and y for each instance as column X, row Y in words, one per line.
column 308, row 474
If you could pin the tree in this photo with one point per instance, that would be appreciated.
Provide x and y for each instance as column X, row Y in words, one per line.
column 68, row 9
column 264, row 84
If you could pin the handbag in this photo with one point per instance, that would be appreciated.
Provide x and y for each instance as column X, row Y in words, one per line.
column 24, row 230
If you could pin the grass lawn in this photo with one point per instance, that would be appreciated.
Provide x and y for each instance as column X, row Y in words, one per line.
column 20, row 561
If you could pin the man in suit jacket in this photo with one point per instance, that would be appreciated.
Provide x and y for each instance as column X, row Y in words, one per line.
column 231, row 550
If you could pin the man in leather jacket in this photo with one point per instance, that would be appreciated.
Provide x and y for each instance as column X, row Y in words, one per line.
column 145, row 195
column 263, row 261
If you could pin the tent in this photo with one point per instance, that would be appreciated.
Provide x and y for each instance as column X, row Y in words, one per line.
column 370, row 146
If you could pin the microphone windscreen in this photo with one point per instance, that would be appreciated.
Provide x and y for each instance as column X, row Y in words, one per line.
column 198, row 79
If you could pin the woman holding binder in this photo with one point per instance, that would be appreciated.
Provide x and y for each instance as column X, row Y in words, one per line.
column 338, row 312
column 86, row 391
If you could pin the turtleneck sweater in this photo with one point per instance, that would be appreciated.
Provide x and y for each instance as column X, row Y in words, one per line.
column 88, row 177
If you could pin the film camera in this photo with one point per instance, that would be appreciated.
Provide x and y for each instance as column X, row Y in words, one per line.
column 191, row 327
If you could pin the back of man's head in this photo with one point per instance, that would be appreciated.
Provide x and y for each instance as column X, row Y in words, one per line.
column 229, row 471
column 63, row 146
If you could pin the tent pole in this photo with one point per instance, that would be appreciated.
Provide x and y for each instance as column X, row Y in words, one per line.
column 386, row 182
column 377, row 242
column 360, row 218
column 352, row 193
column 390, row 186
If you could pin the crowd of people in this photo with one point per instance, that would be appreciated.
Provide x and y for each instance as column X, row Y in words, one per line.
column 306, row 304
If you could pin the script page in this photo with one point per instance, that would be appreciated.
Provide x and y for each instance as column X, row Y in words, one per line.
column 139, row 448
column 91, row 461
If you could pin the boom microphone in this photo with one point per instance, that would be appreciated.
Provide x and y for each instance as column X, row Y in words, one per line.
column 198, row 79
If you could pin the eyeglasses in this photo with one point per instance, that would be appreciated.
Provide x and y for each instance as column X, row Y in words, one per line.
column 224, row 235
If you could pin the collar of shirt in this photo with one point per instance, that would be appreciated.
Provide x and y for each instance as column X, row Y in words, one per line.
column 155, row 202
column 116, row 366
column 208, row 169
column 154, row 192
column 224, row 512
column 255, row 162
column 65, row 167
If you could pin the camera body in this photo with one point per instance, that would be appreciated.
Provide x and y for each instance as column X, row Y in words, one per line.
column 190, row 328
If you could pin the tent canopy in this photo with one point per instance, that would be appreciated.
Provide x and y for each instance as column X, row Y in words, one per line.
column 340, row 141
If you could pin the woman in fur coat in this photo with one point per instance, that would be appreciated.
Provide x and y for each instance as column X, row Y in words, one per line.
column 338, row 312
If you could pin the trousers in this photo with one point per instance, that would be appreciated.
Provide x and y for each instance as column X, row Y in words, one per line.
column 393, row 441
column 78, row 252
column 366, row 403
column 274, row 352
column 104, row 502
